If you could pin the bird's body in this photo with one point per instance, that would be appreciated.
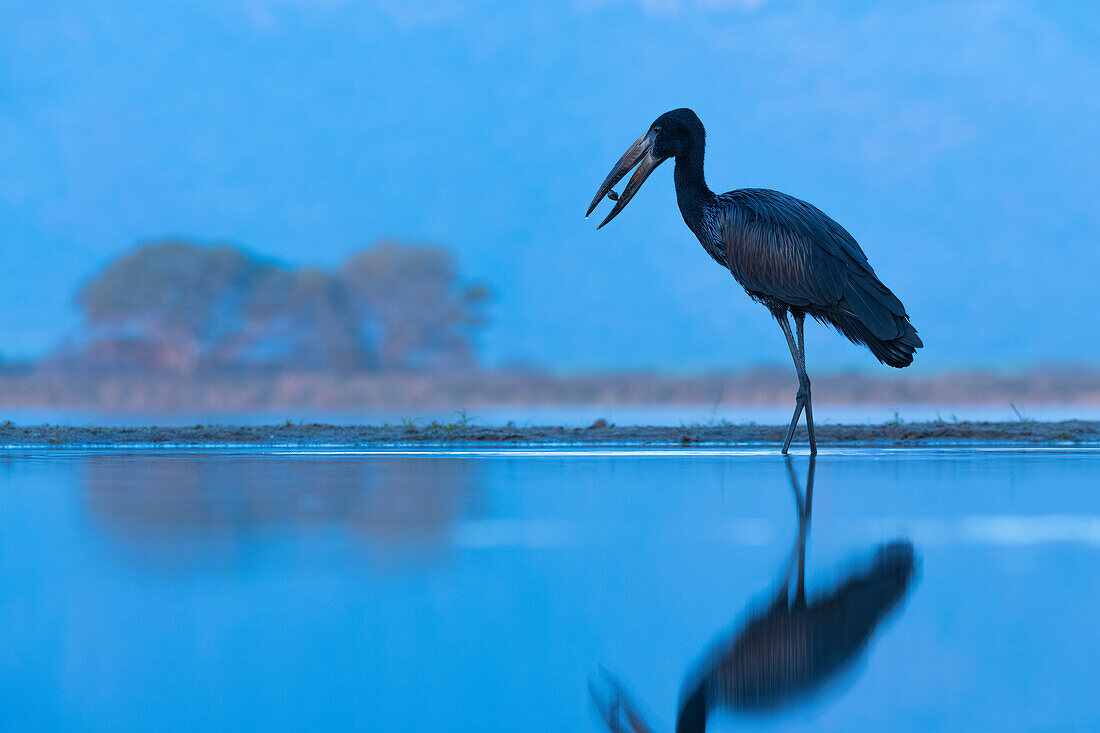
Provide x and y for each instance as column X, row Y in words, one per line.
column 790, row 256
column 786, row 253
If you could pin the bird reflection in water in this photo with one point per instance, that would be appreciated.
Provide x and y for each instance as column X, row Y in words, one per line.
column 790, row 648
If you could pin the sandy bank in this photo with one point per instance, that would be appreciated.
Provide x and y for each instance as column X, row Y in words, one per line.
column 294, row 434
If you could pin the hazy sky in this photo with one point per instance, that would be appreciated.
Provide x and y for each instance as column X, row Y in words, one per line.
column 957, row 141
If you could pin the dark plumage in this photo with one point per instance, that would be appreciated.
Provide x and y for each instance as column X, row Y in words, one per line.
column 789, row 255
column 786, row 253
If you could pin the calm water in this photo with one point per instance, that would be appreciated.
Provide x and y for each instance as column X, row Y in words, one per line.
column 484, row 591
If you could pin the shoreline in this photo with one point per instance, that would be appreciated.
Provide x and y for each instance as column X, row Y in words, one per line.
column 291, row 435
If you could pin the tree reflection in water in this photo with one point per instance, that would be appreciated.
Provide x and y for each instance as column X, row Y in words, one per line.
column 791, row 647
column 172, row 508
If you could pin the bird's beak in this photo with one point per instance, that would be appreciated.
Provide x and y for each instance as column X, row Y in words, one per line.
column 640, row 154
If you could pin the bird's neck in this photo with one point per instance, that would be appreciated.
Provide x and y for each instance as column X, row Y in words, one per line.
column 692, row 193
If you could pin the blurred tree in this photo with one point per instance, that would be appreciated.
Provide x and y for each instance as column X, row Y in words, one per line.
column 181, row 306
column 299, row 319
column 169, row 304
column 417, row 311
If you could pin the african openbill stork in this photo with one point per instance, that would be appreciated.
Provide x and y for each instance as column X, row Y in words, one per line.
column 786, row 253
column 788, row 649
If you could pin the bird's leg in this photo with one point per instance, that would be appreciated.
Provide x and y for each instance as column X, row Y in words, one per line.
column 804, row 381
column 799, row 400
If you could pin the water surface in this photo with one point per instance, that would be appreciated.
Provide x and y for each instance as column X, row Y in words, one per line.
column 484, row 590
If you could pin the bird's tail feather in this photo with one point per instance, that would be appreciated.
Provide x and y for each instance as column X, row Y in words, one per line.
column 896, row 352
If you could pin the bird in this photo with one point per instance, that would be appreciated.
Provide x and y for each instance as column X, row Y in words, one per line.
column 787, row 254
column 788, row 649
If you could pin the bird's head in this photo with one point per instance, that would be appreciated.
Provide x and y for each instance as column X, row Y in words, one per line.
column 672, row 134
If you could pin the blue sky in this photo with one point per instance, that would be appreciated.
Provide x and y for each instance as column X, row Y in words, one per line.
column 957, row 141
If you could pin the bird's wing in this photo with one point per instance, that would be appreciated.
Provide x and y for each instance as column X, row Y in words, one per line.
column 784, row 248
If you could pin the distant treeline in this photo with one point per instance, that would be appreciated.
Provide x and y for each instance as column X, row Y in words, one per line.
column 159, row 392
column 184, row 308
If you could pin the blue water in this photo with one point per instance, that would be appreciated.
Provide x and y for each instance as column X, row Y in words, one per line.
column 482, row 591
